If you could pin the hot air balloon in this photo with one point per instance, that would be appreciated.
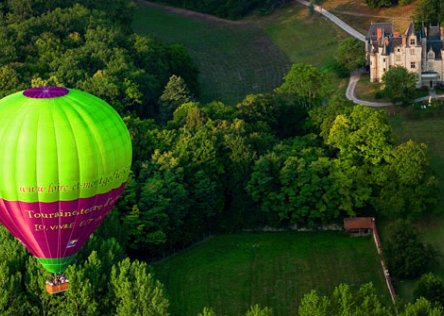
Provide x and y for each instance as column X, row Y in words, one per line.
column 65, row 157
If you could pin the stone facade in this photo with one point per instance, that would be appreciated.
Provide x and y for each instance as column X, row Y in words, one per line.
column 419, row 52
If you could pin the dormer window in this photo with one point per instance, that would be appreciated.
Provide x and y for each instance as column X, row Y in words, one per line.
column 412, row 41
column 431, row 55
column 398, row 50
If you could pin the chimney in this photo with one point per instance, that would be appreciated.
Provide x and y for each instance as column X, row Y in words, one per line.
column 386, row 41
column 395, row 34
column 379, row 33
column 441, row 31
column 426, row 31
column 404, row 40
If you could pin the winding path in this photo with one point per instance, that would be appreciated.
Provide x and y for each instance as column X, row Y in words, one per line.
column 354, row 77
column 347, row 28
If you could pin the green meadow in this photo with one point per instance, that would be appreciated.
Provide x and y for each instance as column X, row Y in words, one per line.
column 232, row 272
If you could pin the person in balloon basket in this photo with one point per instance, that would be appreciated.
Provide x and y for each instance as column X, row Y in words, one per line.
column 57, row 280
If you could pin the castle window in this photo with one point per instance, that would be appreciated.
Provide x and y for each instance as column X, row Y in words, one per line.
column 383, row 60
column 412, row 65
column 398, row 58
column 412, row 51
column 383, row 70
column 412, row 41
column 399, row 50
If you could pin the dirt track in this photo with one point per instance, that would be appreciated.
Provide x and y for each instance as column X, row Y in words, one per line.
column 189, row 13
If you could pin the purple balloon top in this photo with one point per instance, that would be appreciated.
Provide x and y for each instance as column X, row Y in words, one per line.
column 45, row 92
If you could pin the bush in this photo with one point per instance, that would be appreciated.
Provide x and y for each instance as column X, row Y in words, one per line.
column 430, row 287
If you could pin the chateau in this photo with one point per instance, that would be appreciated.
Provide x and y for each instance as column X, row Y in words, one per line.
column 420, row 52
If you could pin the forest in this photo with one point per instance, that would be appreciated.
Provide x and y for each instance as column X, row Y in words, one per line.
column 298, row 157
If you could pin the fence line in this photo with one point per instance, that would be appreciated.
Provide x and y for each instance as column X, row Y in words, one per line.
column 385, row 270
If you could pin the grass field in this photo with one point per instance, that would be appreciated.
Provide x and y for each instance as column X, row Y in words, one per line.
column 234, row 59
column 250, row 56
column 232, row 272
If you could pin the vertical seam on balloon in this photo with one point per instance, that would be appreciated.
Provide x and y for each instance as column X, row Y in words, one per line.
column 93, row 131
column 78, row 168
column 35, row 247
column 85, row 118
column 37, row 180
column 59, row 244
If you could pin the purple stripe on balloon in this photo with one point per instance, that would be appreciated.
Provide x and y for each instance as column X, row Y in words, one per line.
column 56, row 229
column 46, row 92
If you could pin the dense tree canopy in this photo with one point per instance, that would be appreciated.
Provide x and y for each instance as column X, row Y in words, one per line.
column 80, row 47
column 430, row 12
column 399, row 84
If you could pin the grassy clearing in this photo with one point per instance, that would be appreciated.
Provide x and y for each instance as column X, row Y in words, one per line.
column 366, row 90
column 250, row 56
column 230, row 273
column 429, row 131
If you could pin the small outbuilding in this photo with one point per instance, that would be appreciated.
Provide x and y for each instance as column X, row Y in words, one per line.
column 359, row 226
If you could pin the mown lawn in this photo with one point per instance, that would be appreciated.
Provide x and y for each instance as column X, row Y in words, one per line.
column 429, row 131
column 232, row 272
column 249, row 56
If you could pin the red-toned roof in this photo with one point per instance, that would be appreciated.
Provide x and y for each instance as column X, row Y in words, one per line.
column 358, row 222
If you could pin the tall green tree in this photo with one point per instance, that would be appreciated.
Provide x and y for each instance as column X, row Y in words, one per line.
column 256, row 310
column 306, row 84
column 430, row 12
column 411, row 189
column 314, row 305
column 175, row 94
column 399, row 84
column 350, row 54
column 136, row 291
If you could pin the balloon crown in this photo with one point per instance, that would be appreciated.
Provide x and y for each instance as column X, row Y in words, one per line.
column 46, row 92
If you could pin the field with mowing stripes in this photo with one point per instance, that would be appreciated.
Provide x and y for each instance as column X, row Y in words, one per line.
column 233, row 59
column 232, row 272
column 248, row 56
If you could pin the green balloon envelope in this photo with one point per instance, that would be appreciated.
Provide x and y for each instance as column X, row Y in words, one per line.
column 65, row 158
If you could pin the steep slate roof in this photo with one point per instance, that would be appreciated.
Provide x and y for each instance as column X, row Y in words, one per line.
column 372, row 37
column 386, row 26
column 436, row 46
column 392, row 41
column 410, row 30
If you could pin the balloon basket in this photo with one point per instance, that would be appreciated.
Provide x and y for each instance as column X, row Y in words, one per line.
column 54, row 289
